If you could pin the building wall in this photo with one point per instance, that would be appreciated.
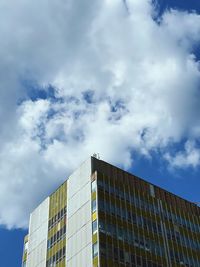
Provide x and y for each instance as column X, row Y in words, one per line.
column 79, row 227
column 38, row 228
column 142, row 224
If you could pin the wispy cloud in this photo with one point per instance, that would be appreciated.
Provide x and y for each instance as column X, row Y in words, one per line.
column 189, row 157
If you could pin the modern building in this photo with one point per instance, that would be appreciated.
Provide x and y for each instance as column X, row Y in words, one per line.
column 103, row 216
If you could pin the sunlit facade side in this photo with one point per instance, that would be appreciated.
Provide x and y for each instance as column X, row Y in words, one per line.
column 103, row 216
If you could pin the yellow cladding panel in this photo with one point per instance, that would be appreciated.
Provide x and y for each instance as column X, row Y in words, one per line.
column 58, row 200
column 95, row 262
column 94, row 238
column 56, row 248
column 25, row 251
column 94, row 216
column 61, row 264
column 93, row 195
column 25, row 257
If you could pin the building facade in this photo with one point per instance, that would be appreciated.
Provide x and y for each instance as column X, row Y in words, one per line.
column 103, row 216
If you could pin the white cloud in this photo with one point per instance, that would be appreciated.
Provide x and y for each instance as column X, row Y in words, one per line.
column 190, row 157
column 123, row 82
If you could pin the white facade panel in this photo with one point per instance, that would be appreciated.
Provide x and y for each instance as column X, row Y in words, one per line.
column 82, row 258
column 79, row 240
column 79, row 198
column 38, row 231
column 81, row 173
column 80, row 218
column 79, row 223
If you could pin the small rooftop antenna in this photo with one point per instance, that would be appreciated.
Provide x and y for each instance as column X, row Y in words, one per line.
column 96, row 155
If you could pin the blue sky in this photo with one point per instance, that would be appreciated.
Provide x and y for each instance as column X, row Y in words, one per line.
column 76, row 79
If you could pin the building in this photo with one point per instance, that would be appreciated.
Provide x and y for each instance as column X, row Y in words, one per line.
column 103, row 216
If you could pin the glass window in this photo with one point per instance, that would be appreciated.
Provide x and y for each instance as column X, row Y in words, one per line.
column 103, row 249
column 120, row 233
column 94, row 186
column 95, row 249
column 94, row 226
column 121, row 255
column 62, row 212
column 94, row 205
column 102, row 226
column 48, row 244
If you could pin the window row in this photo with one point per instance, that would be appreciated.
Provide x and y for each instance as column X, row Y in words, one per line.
column 181, row 221
column 56, row 237
column 124, row 257
column 56, row 258
column 147, row 224
column 58, row 217
column 130, row 237
column 142, row 204
column 183, row 240
column 183, row 260
column 129, row 216
column 132, row 198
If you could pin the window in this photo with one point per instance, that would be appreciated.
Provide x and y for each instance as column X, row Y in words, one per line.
column 48, row 244
column 94, row 226
column 94, row 183
column 94, row 205
column 95, row 249
column 102, row 226
column 127, row 257
column 138, row 260
column 115, row 254
column 121, row 256
column 120, row 233
column 103, row 249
